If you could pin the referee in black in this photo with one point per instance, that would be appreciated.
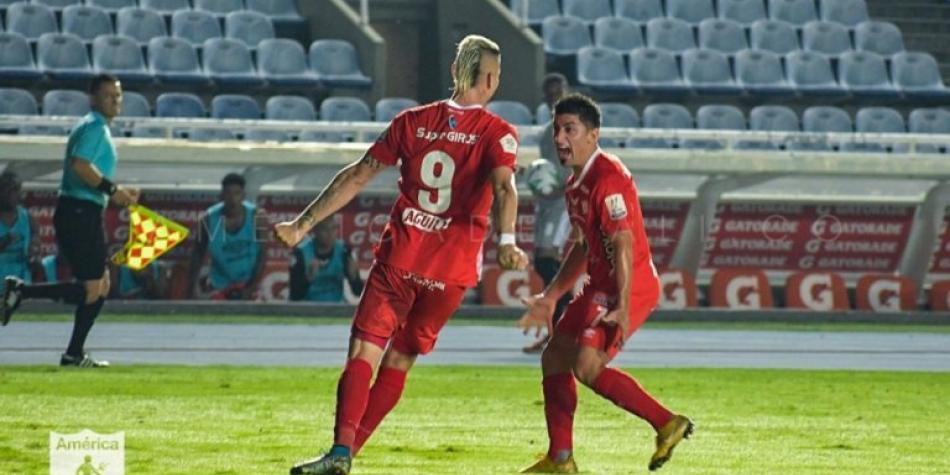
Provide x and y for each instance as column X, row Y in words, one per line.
column 88, row 169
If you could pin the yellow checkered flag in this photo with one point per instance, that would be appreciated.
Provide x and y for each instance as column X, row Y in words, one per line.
column 150, row 236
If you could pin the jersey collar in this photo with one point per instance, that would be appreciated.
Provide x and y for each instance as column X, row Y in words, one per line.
column 455, row 105
column 590, row 162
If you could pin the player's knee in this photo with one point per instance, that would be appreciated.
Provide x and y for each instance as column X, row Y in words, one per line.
column 587, row 369
column 93, row 291
column 105, row 284
column 399, row 360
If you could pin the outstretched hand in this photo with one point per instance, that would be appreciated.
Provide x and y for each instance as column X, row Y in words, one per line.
column 538, row 315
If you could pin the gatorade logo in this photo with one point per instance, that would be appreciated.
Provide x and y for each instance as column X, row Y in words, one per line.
column 507, row 287
column 886, row 293
column 678, row 290
column 819, row 291
column 740, row 289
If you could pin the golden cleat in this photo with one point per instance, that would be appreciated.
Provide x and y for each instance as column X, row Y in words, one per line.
column 546, row 465
column 679, row 428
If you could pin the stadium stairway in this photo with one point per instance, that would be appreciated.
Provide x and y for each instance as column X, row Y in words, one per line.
column 925, row 24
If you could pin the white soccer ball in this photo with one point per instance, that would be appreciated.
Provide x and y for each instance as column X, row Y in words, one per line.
column 544, row 178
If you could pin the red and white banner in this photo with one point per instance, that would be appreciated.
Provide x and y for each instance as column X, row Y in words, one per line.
column 819, row 291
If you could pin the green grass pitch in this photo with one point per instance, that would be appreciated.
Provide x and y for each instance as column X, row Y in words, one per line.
column 481, row 420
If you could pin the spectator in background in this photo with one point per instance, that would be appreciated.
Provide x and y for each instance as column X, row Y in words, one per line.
column 551, row 224
column 19, row 245
column 150, row 283
column 321, row 262
column 232, row 231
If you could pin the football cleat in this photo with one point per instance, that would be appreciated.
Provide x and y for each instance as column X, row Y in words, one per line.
column 85, row 361
column 679, row 428
column 325, row 465
column 546, row 465
column 12, row 295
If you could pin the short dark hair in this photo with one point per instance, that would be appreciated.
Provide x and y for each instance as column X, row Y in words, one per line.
column 233, row 179
column 99, row 80
column 580, row 105
column 551, row 78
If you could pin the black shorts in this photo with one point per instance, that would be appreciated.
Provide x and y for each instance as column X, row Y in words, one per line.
column 81, row 237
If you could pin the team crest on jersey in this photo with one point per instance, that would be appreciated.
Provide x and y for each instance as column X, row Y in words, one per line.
column 453, row 123
column 509, row 144
column 616, row 207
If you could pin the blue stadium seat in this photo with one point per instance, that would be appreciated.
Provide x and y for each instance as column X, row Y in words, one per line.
column 284, row 62
column 344, row 109
column 542, row 114
column 388, row 107
column 865, row 74
column 917, row 74
column 289, row 108
column 878, row 37
column 35, row 129
column 322, row 136
column 670, row 33
column 769, row 119
column 822, row 119
column 876, row 120
column 760, row 72
column 219, row 8
column 31, row 20
column 179, row 104
column 140, row 24
column 57, row 5
column 742, row 11
column 846, row 12
column 655, row 70
column 693, row 11
column 335, row 63
column 811, row 73
column 707, row 71
column 276, row 10
column 200, row 134
column 564, row 35
column 538, row 10
column 267, row 135
column 640, row 11
column 587, row 10
column 16, row 58
column 662, row 116
column 174, row 61
column 17, row 102
column 149, row 132
column 112, row 6
column 249, row 27
column 722, row 35
column 929, row 121
column 514, row 112
column 716, row 117
column 63, row 56
column 826, row 38
column 135, row 105
column 602, row 68
column 121, row 56
column 86, row 22
column 195, row 27
column 65, row 102
column 617, row 114
column 165, row 7
column 796, row 12
column 235, row 106
column 228, row 62
column 775, row 36
column 621, row 34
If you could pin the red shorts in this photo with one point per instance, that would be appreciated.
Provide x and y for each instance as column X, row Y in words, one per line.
column 590, row 304
column 406, row 307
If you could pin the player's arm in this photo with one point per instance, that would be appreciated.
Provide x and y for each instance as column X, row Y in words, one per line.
column 198, row 254
column 506, row 214
column 572, row 267
column 261, row 226
column 347, row 183
column 622, row 241
column 352, row 273
column 298, row 277
column 92, row 177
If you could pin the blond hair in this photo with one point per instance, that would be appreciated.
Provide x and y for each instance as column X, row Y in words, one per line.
column 468, row 58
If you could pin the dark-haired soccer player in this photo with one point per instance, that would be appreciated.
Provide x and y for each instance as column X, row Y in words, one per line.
column 454, row 158
column 611, row 246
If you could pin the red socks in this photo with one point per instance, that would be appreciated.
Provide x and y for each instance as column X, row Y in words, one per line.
column 560, row 402
column 624, row 391
column 351, row 395
column 382, row 399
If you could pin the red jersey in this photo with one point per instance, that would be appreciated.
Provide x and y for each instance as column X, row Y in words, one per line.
column 602, row 201
column 438, row 224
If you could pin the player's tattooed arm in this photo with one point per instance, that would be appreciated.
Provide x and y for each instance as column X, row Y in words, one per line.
column 572, row 267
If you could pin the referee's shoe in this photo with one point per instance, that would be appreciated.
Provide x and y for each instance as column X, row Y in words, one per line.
column 12, row 295
column 84, row 361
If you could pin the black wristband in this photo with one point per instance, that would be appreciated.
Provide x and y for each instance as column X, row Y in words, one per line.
column 107, row 187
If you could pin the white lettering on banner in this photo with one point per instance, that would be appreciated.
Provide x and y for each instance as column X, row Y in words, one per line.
column 871, row 263
column 766, row 208
column 857, row 247
column 424, row 221
column 453, row 136
column 760, row 226
column 660, row 241
column 749, row 261
column 884, row 296
column 743, row 293
column 824, row 299
column 871, row 210
column 661, row 223
column 730, row 244
column 675, row 298
column 865, row 228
